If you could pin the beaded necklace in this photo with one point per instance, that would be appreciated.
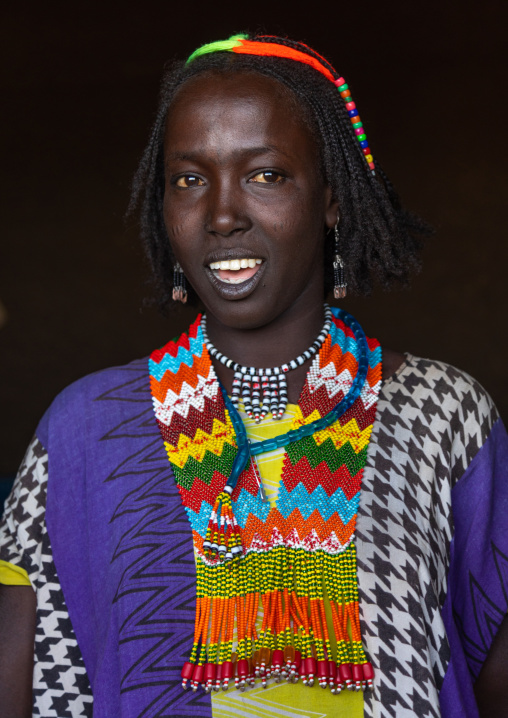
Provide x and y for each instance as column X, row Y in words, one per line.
column 295, row 562
column 264, row 390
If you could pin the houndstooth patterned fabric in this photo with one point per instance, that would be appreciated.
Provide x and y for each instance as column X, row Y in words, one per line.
column 432, row 419
column 60, row 686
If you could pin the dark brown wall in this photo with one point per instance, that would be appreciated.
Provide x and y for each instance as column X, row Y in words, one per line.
column 79, row 90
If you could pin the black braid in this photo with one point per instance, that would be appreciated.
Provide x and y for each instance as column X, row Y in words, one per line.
column 380, row 241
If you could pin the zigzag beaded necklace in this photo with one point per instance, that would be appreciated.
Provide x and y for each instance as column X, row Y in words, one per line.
column 296, row 562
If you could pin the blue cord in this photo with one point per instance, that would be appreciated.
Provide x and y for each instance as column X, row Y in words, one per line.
column 247, row 449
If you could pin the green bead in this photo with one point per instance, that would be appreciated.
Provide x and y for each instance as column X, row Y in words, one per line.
column 343, row 87
column 357, row 124
column 361, row 138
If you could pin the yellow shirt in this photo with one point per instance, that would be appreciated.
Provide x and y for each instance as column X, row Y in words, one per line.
column 281, row 699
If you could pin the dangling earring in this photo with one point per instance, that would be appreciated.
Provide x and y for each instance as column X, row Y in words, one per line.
column 339, row 276
column 179, row 288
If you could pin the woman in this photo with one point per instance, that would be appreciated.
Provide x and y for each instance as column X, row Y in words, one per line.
column 329, row 514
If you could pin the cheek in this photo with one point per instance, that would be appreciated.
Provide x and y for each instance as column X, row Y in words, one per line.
column 178, row 223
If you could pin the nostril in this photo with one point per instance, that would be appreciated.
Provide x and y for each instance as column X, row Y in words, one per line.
column 226, row 221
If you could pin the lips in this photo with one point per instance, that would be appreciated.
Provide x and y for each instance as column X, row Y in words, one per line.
column 236, row 276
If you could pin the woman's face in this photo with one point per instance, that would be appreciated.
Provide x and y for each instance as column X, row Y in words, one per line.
column 245, row 205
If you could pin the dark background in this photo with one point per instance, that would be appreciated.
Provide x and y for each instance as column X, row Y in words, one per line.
column 79, row 91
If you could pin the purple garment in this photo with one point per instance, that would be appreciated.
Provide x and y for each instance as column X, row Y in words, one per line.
column 477, row 599
column 122, row 545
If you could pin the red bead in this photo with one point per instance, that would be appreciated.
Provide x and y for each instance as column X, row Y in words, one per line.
column 187, row 670
column 227, row 671
column 365, row 150
column 310, row 666
column 357, row 673
column 210, row 671
column 243, row 668
column 198, row 675
column 323, row 670
column 277, row 658
column 350, row 105
column 368, row 671
column 298, row 660
column 345, row 674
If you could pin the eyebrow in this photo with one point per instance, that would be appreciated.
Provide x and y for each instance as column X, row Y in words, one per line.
column 243, row 152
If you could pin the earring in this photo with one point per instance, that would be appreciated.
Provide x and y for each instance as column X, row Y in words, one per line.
column 339, row 276
column 179, row 288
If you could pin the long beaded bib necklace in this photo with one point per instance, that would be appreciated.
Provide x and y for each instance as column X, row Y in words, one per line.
column 293, row 563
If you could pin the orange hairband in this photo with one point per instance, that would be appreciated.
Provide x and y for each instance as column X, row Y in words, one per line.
column 243, row 46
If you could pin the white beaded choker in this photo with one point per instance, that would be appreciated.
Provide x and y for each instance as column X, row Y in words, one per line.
column 264, row 390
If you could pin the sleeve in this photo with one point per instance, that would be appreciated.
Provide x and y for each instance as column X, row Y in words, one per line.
column 23, row 522
column 479, row 553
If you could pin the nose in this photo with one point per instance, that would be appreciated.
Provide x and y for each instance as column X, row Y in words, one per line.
column 226, row 212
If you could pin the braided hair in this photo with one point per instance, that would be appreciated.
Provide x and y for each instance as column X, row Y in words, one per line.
column 379, row 240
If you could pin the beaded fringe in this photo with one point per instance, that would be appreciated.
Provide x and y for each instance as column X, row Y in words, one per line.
column 295, row 641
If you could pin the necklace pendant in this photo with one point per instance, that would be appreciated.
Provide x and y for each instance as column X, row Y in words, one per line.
column 235, row 392
column 255, row 397
column 265, row 396
column 274, row 396
column 264, row 390
column 283, row 396
column 246, row 397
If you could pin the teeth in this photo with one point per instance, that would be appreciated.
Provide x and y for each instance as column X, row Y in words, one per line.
column 235, row 264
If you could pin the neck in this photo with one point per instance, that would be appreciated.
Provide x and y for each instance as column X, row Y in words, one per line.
column 273, row 344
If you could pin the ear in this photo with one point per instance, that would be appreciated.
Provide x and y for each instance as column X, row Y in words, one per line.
column 331, row 208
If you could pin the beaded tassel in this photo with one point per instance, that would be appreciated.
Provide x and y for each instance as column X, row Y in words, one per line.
column 293, row 643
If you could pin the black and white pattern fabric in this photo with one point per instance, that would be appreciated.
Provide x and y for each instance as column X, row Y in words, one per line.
column 60, row 687
column 432, row 420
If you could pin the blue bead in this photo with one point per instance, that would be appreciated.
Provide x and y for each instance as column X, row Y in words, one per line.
column 353, row 113
column 364, row 143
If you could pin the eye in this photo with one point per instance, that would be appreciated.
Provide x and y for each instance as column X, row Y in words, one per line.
column 268, row 177
column 189, row 181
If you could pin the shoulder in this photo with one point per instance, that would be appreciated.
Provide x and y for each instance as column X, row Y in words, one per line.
column 420, row 379
column 115, row 383
column 436, row 403
column 116, row 390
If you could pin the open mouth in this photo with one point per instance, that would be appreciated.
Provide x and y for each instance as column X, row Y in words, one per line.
column 235, row 271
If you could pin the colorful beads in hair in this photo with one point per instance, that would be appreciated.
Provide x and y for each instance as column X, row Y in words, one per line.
column 270, row 46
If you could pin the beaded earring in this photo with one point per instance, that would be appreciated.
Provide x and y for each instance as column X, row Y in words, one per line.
column 339, row 276
column 179, row 287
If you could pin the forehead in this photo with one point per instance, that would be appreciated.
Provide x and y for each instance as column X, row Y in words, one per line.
column 247, row 107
